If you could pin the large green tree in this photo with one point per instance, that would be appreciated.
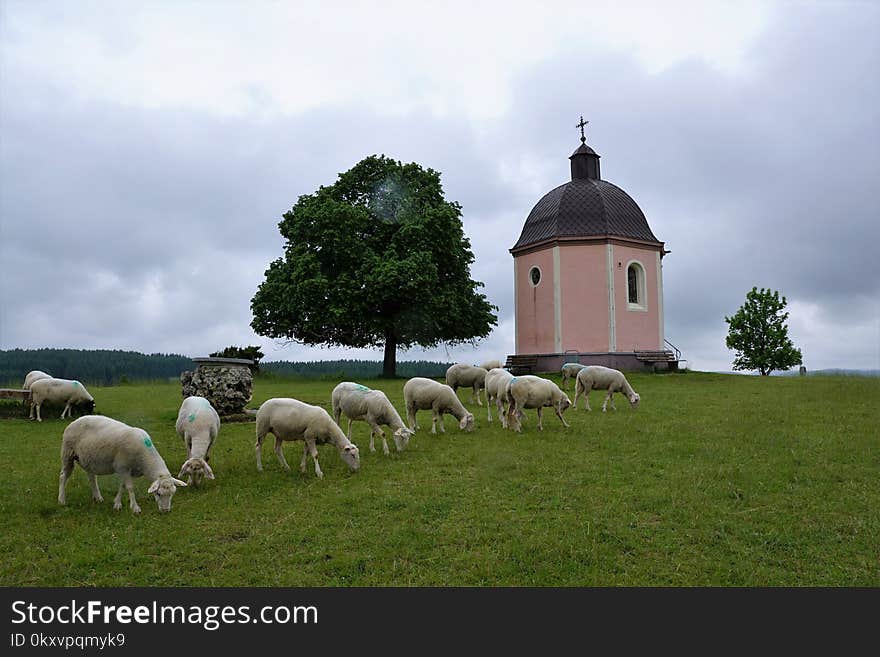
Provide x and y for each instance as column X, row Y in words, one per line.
column 759, row 334
column 377, row 258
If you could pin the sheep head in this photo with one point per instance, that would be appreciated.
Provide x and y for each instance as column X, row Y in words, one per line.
column 198, row 469
column 401, row 437
column 634, row 400
column 467, row 422
column 351, row 456
column 163, row 490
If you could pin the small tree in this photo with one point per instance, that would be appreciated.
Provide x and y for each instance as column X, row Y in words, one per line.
column 251, row 353
column 759, row 334
column 377, row 258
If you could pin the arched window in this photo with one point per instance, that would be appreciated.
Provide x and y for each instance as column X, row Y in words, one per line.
column 635, row 287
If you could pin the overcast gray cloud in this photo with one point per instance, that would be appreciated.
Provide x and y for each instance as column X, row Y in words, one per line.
column 139, row 211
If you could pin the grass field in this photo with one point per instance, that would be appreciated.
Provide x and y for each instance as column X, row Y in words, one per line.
column 715, row 480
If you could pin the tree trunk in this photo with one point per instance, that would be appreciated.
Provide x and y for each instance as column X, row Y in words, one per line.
column 389, row 364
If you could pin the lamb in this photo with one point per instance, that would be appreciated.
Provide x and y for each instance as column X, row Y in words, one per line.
column 102, row 446
column 361, row 403
column 496, row 388
column 596, row 377
column 534, row 392
column 34, row 375
column 570, row 370
column 59, row 391
column 467, row 376
column 291, row 419
column 198, row 425
column 491, row 364
column 420, row 394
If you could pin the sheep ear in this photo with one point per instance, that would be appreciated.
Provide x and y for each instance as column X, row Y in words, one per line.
column 185, row 468
column 153, row 487
column 209, row 473
column 178, row 482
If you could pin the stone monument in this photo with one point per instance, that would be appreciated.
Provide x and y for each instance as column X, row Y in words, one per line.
column 226, row 382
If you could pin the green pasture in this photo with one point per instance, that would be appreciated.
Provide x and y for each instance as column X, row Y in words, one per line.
column 715, row 480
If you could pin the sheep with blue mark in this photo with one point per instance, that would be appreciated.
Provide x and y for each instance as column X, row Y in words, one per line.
column 358, row 402
column 198, row 425
column 59, row 391
column 101, row 446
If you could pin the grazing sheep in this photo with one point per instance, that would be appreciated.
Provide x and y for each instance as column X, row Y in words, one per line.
column 59, row 391
column 34, row 375
column 491, row 364
column 496, row 388
column 291, row 419
column 102, row 446
column 570, row 371
column 198, row 425
column 467, row 376
column 420, row 394
column 361, row 403
column 596, row 377
column 534, row 392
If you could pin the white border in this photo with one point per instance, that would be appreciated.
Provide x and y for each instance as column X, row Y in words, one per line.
column 557, row 303
column 612, row 326
column 641, row 282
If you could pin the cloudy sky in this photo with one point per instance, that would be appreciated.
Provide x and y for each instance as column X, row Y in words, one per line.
column 149, row 149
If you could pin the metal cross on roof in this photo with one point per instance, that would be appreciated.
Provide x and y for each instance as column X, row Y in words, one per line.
column 581, row 126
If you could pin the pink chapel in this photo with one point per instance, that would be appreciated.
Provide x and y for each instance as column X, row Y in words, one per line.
column 588, row 279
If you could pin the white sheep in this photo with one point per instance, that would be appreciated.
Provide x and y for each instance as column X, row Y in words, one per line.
column 596, row 377
column 373, row 406
column 570, row 371
column 291, row 419
column 59, row 391
column 198, row 425
column 496, row 389
column 467, row 376
column 420, row 394
column 491, row 364
column 530, row 391
column 34, row 375
column 103, row 446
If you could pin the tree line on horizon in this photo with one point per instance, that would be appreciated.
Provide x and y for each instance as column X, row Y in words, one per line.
column 115, row 366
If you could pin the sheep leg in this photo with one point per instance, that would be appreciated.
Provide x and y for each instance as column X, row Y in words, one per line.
column 259, row 450
column 607, row 397
column 348, row 435
column 540, row 425
column 129, row 485
column 559, row 415
column 117, row 501
column 435, row 416
column 280, row 454
column 477, row 394
column 375, row 429
column 372, row 434
column 96, row 492
column 587, row 398
column 499, row 405
column 488, row 408
column 39, row 419
column 66, row 470
column 411, row 417
column 66, row 410
column 302, row 464
column 337, row 413
column 313, row 450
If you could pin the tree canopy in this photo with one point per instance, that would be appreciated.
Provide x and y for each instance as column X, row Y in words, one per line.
column 759, row 334
column 377, row 258
column 253, row 353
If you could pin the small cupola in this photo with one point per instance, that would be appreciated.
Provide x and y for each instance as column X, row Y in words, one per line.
column 584, row 161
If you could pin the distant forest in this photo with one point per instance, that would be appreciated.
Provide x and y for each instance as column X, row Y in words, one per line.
column 110, row 367
column 364, row 369
column 97, row 366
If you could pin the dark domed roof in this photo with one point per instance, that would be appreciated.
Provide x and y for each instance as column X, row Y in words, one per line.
column 585, row 207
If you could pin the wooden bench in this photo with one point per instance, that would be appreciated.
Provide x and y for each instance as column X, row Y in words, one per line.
column 521, row 364
column 12, row 393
